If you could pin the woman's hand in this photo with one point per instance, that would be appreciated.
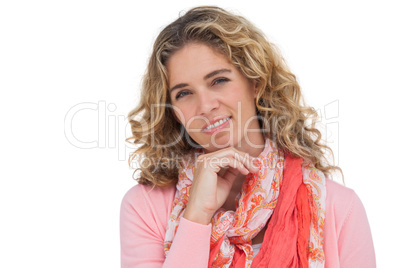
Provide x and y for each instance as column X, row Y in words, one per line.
column 213, row 179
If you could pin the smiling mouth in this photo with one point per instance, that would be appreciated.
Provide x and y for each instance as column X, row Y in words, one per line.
column 218, row 123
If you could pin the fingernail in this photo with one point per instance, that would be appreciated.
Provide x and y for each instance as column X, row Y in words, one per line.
column 256, row 163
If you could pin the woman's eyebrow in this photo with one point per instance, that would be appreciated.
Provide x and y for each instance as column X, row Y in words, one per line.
column 211, row 74
column 177, row 87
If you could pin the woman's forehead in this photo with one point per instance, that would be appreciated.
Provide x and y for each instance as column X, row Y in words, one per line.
column 196, row 59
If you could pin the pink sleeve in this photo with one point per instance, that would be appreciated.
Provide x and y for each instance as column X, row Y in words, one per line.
column 143, row 219
column 356, row 247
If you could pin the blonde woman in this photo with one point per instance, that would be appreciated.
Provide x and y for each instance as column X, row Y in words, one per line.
column 232, row 168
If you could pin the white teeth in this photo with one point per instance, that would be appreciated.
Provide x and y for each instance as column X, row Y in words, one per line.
column 220, row 122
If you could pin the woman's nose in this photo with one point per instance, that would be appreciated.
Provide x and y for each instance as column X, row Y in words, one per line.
column 207, row 102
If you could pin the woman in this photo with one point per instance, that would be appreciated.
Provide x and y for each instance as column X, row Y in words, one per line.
column 233, row 172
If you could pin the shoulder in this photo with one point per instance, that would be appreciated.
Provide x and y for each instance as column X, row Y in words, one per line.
column 143, row 203
column 141, row 193
column 339, row 196
column 341, row 202
column 143, row 217
column 347, row 235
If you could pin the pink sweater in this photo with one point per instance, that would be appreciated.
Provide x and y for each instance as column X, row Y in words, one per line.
column 145, row 211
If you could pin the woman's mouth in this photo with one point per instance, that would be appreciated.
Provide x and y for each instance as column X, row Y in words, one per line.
column 222, row 123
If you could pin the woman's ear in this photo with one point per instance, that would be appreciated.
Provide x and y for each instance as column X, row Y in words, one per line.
column 255, row 87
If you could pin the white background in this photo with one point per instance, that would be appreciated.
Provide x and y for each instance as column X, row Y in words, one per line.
column 59, row 202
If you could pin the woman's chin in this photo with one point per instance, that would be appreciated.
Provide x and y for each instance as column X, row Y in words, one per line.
column 219, row 145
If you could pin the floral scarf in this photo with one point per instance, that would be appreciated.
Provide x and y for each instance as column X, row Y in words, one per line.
column 262, row 192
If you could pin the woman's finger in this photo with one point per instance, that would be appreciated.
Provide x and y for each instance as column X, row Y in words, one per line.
column 219, row 163
column 247, row 160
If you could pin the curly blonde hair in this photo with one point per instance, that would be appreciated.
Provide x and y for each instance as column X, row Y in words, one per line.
column 282, row 114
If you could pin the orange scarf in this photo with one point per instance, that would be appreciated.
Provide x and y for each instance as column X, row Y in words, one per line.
column 285, row 191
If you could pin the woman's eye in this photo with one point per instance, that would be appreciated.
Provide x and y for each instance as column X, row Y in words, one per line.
column 182, row 94
column 219, row 81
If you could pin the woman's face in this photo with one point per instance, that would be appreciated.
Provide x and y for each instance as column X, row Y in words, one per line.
column 212, row 99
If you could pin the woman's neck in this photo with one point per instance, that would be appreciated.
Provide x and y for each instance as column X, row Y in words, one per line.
column 253, row 144
column 230, row 203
